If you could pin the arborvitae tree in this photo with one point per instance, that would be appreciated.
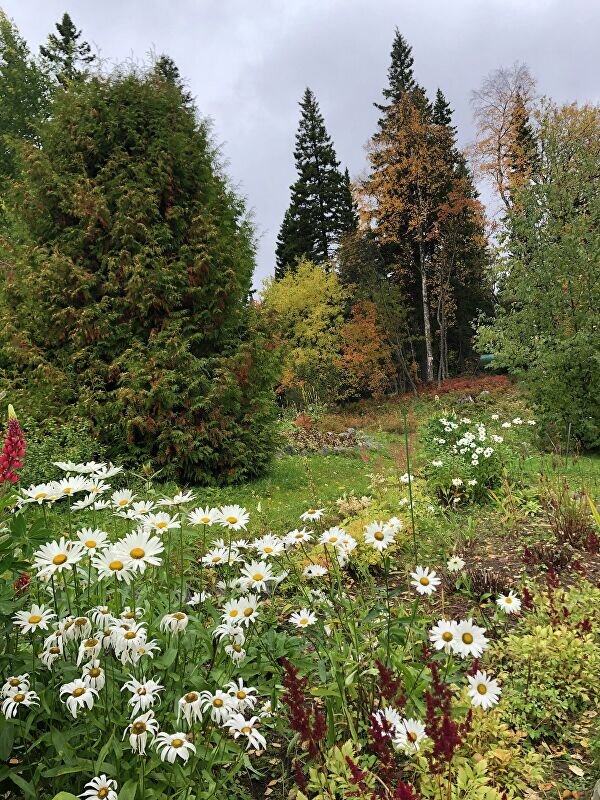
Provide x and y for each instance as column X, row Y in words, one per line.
column 67, row 55
column 23, row 96
column 321, row 208
column 127, row 298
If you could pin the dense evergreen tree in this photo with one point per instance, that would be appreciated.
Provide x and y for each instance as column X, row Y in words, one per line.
column 401, row 77
column 23, row 96
column 321, row 209
column 67, row 55
column 127, row 293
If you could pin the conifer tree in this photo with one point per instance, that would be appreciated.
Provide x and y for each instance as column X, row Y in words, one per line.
column 321, row 208
column 401, row 78
column 127, row 300
column 68, row 56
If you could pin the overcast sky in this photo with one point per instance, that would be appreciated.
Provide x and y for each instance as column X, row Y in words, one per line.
column 248, row 61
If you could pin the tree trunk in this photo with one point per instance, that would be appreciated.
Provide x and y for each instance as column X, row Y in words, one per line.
column 426, row 320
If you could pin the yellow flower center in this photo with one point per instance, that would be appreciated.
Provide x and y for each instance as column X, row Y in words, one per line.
column 237, row 648
column 246, row 730
column 138, row 727
column 411, row 736
column 116, row 565
column 129, row 635
column 90, row 543
column 14, row 682
column 123, row 502
column 217, row 702
column 141, row 691
column 81, row 622
column 333, row 539
column 303, row 621
column 205, row 520
column 241, row 695
column 161, row 525
column 59, row 559
column 424, row 581
column 268, row 549
column 78, row 692
column 258, row 576
column 34, row 619
column 467, row 638
column 508, row 600
column 40, row 495
column 178, row 615
column 232, row 520
column 137, row 552
column 102, row 793
column 191, row 697
column 248, row 611
column 177, row 743
column 128, row 615
column 447, row 636
column 54, row 651
column 482, row 688
column 379, row 536
column 90, row 643
column 216, row 559
column 18, row 698
column 67, row 490
column 94, row 672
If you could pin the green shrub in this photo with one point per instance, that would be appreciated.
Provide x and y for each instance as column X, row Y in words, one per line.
column 126, row 301
column 548, row 675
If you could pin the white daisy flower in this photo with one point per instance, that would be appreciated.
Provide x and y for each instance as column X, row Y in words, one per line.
column 50, row 654
column 173, row 745
column 232, row 612
column 107, row 471
column 86, row 502
column 89, row 648
column 177, row 500
column 425, row 581
column 112, row 564
column 37, row 494
column 93, row 675
column 122, row 499
column 269, row 545
column 470, row 640
column 437, row 463
column 140, row 550
column 15, row 682
column 233, row 517
column 443, row 635
column 198, row 597
column 457, row 482
column 314, row 571
column 231, row 629
column 18, row 698
column 139, row 729
column 142, row 507
column 220, row 705
column 78, row 695
column 302, row 618
column 219, row 555
column 71, row 485
column 93, row 540
column 145, row 649
column 97, row 486
column 55, row 556
column 297, row 537
column 101, row 616
column 312, row 515
column 190, row 707
column 243, row 696
column 257, row 575
column 235, row 652
column 161, row 522
column 455, row 564
column 391, row 716
column 144, row 693
column 409, row 735
column 34, row 620
column 379, row 535
column 483, row 690
column 176, row 622
column 509, row 603
column 101, row 788
column 203, row 516
column 238, row 726
column 100, row 505
column 248, row 605
column 332, row 536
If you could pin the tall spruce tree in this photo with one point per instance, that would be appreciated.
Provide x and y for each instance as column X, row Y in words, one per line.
column 321, row 209
column 401, row 77
column 67, row 55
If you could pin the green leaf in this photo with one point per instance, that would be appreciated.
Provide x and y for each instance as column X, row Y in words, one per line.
column 129, row 790
column 7, row 737
column 64, row 796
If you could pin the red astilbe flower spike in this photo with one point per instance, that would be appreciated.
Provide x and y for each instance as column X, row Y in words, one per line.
column 358, row 775
column 306, row 718
column 443, row 731
column 404, row 791
column 22, row 584
column 12, row 451
column 380, row 742
column 389, row 686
